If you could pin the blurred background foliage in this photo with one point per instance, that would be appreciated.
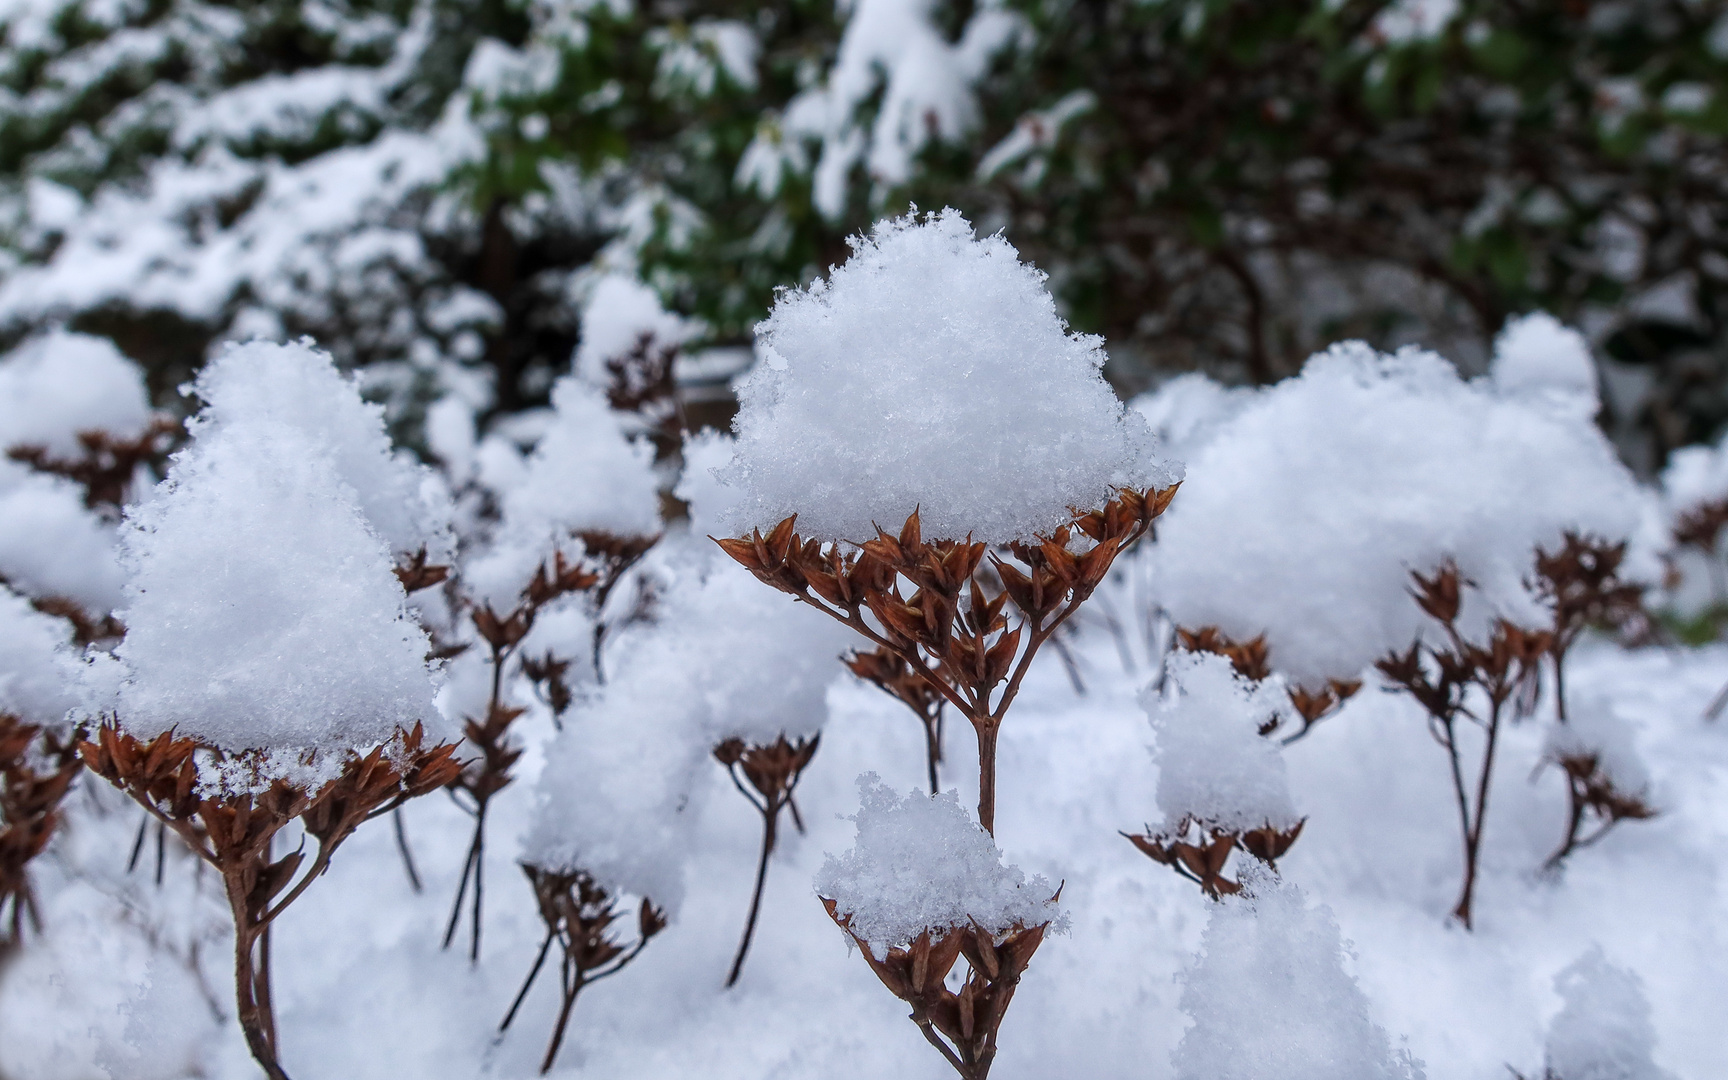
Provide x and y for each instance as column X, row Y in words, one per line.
column 433, row 188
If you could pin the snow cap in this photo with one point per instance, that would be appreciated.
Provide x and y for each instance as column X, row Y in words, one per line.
column 930, row 371
column 1538, row 355
column 60, row 384
column 297, row 385
column 1604, row 1031
column 263, row 612
column 921, row 863
column 38, row 669
column 1213, row 763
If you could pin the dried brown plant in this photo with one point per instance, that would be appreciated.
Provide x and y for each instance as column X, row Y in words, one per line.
column 36, row 772
column 234, row 832
column 579, row 915
column 954, row 632
column 1700, row 529
column 1199, row 850
column 1442, row 679
column 109, row 462
column 641, row 381
column 1252, row 660
column 962, row 1025
column 891, row 674
column 489, row 773
column 1581, row 583
column 950, row 631
column 773, row 771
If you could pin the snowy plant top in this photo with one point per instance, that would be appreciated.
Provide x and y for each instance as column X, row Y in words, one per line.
column 725, row 658
column 1694, row 477
column 263, row 612
column 1593, row 729
column 930, row 371
column 922, row 863
column 585, row 475
column 298, row 386
column 51, row 545
column 1186, row 410
column 1213, row 763
column 60, row 384
column 619, row 312
column 1270, row 997
column 1307, row 511
column 1539, row 356
column 38, row 670
column 1603, row 1032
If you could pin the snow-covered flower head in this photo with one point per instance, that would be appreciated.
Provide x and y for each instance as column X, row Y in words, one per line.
column 930, row 371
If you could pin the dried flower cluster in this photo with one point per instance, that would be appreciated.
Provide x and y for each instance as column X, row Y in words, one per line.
column 109, row 462
column 949, row 630
column 1252, row 660
column 234, row 832
column 1199, row 850
column 36, row 772
column 962, row 1025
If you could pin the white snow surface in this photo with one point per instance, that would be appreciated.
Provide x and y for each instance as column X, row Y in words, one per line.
column 1603, row 1032
column 263, row 612
column 618, row 310
column 59, row 384
column 297, row 384
column 930, row 371
column 921, row 863
column 1213, row 764
column 711, row 502
column 38, row 669
column 1270, row 996
column 1306, row 512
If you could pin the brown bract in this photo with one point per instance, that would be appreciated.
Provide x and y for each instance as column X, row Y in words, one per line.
column 234, row 833
column 109, row 462
column 580, row 915
column 950, row 629
column 1199, row 850
column 963, row 1025
column 1252, row 660
column 36, row 771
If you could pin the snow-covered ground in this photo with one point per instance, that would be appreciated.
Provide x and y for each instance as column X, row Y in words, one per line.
column 363, row 989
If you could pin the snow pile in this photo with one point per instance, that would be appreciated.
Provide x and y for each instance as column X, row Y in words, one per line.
column 1269, row 996
column 619, row 311
column 728, row 658
column 1213, row 764
column 1603, row 1032
column 38, row 671
column 930, row 371
column 711, row 502
column 1539, row 356
column 1187, row 410
column 585, row 474
column 297, row 385
column 60, row 384
column 921, row 863
column 263, row 611
column 51, row 545
column 1694, row 477
column 1308, row 510
column 1594, row 729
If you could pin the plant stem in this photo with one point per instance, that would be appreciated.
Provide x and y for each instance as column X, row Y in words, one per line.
column 572, row 984
column 987, row 730
column 770, row 822
column 933, row 744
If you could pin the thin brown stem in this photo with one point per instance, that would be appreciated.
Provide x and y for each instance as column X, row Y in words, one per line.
column 572, row 986
column 770, row 822
column 987, row 731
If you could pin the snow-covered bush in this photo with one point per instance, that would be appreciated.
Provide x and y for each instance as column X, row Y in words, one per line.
column 1306, row 510
column 270, row 670
column 1270, row 996
column 1221, row 780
